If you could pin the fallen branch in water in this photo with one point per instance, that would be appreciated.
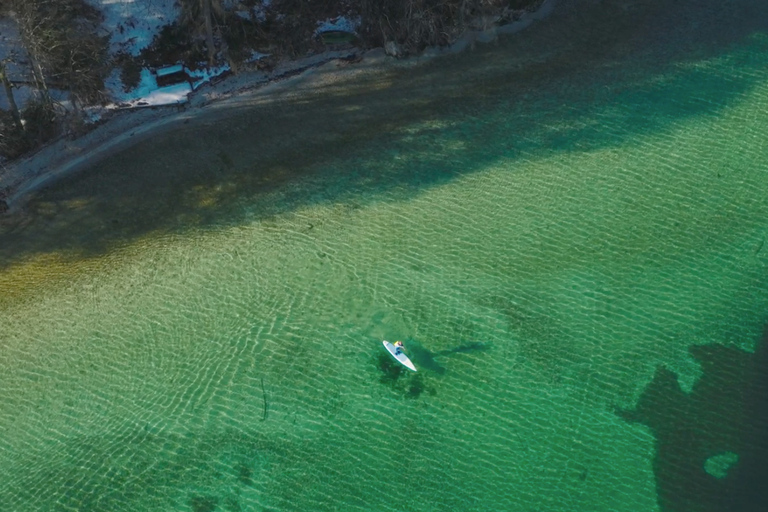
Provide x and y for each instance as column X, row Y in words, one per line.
column 266, row 405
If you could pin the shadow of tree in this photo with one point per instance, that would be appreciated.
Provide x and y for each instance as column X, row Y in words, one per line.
column 495, row 102
column 726, row 412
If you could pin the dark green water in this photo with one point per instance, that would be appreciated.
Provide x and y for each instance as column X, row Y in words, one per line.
column 567, row 228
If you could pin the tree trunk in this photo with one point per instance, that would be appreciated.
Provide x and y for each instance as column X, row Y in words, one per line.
column 9, row 93
column 28, row 27
column 206, row 8
column 37, row 72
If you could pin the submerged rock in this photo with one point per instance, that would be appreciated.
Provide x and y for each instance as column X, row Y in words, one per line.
column 392, row 48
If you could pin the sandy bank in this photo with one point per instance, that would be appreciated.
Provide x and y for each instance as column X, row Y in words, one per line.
column 123, row 129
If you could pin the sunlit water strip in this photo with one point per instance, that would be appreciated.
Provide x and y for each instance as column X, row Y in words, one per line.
column 238, row 366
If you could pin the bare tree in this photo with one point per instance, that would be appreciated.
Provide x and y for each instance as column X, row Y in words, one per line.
column 63, row 45
column 30, row 29
column 199, row 16
column 206, row 5
column 65, row 51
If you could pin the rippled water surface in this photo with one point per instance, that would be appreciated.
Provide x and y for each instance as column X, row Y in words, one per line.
column 566, row 228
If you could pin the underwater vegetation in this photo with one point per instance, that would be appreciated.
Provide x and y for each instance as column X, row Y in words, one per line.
column 391, row 370
column 204, row 503
column 404, row 382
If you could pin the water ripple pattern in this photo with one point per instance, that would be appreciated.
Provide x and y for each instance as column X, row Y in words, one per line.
column 545, row 259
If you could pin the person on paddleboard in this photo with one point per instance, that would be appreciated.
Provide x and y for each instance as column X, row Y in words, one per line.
column 399, row 347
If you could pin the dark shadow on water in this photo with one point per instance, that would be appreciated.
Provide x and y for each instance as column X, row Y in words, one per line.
column 424, row 358
column 500, row 101
column 477, row 346
column 141, row 470
column 727, row 411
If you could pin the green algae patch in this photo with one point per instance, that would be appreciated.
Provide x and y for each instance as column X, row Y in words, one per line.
column 719, row 465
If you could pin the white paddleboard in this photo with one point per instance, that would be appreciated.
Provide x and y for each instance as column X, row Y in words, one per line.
column 401, row 357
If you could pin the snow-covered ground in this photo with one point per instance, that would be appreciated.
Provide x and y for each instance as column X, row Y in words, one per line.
column 11, row 48
column 134, row 23
column 149, row 94
column 17, row 68
column 146, row 93
column 17, row 71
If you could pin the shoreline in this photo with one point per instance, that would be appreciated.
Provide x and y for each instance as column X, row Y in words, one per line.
column 20, row 180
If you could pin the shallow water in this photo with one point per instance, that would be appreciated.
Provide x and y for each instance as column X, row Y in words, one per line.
column 565, row 227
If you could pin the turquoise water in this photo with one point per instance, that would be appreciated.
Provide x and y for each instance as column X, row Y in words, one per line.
column 566, row 228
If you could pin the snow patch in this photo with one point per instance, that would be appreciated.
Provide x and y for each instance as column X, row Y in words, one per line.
column 171, row 95
column 340, row 23
column 256, row 56
column 207, row 74
column 12, row 49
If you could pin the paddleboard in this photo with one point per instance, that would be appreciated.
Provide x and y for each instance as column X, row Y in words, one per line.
column 401, row 357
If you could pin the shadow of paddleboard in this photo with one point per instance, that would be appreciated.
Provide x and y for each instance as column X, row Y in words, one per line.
column 425, row 358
